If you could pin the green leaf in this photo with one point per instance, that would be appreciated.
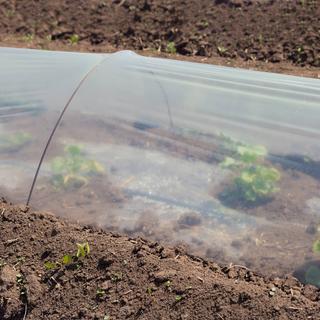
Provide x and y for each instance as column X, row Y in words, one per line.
column 87, row 248
column 100, row 292
column 316, row 246
column 67, row 259
column 73, row 150
column 257, row 150
column 247, row 176
column 228, row 162
column 250, row 154
column 58, row 165
column 73, row 169
column 83, row 249
column 50, row 265
column 95, row 167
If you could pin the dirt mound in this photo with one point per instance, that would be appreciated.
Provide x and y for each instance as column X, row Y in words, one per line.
column 272, row 30
column 42, row 277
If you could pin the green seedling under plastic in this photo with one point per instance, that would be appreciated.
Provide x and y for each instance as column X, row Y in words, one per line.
column 316, row 246
column 254, row 181
column 14, row 142
column 74, row 170
column 312, row 274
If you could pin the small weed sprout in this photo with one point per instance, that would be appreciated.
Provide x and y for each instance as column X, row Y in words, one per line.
column 83, row 250
column 254, row 181
column 51, row 265
column 67, row 259
column 149, row 290
column 168, row 285
column 116, row 276
column 74, row 39
column 100, row 293
column 28, row 37
column 178, row 298
column 171, row 47
column 73, row 170
column 221, row 50
column 205, row 23
column 316, row 246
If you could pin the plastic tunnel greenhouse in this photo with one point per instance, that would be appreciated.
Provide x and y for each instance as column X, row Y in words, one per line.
column 224, row 161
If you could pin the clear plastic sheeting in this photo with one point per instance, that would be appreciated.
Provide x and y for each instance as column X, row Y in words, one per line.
column 224, row 161
column 32, row 83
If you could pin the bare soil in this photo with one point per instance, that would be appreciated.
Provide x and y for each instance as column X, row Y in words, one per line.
column 125, row 278
column 270, row 35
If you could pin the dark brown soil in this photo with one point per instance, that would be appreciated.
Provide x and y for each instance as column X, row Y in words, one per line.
column 265, row 30
column 125, row 278
column 132, row 275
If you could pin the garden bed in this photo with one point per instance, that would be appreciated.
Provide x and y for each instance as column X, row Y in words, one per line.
column 274, row 31
column 126, row 278
column 170, row 185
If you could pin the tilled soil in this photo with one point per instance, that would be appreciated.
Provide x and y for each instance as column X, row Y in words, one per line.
column 265, row 30
column 124, row 278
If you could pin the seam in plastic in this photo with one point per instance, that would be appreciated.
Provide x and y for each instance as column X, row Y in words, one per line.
column 58, row 123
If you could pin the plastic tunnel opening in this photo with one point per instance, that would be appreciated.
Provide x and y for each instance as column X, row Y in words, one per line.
column 222, row 160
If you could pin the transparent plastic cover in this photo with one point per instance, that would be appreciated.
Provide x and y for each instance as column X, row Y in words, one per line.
column 225, row 161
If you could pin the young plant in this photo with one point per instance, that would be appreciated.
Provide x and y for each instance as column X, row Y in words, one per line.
column 254, row 181
column 171, row 48
column 74, row 39
column 312, row 273
column 83, row 250
column 14, row 142
column 221, row 50
column 28, row 37
column 316, row 246
column 100, row 293
column 73, row 170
